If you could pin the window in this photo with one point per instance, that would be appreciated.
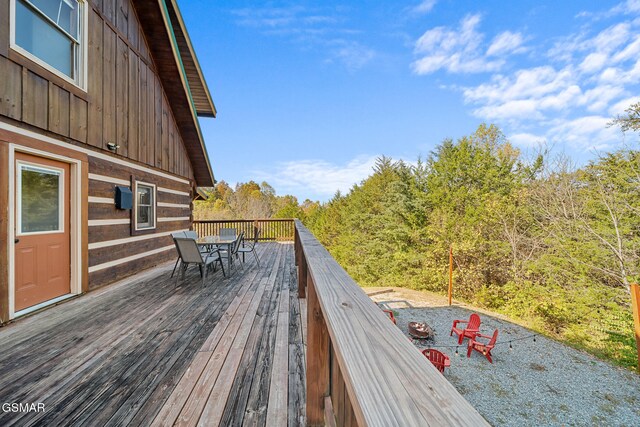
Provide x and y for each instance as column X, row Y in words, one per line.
column 51, row 32
column 145, row 206
column 40, row 195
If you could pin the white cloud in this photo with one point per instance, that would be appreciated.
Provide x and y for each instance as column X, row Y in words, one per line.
column 533, row 83
column 352, row 54
column 631, row 51
column 593, row 62
column 527, row 140
column 567, row 92
column 455, row 50
column 585, row 133
column 310, row 28
column 627, row 7
column 510, row 109
column 599, row 98
column 318, row 179
column 425, row 6
column 506, row 42
column 619, row 107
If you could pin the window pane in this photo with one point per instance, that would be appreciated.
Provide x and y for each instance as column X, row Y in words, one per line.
column 144, row 216
column 144, row 195
column 145, row 206
column 62, row 12
column 42, row 39
column 40, row 200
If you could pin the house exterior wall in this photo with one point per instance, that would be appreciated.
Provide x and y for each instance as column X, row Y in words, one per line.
column 124, row 104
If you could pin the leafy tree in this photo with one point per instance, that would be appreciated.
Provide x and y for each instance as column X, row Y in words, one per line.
column 630, row 120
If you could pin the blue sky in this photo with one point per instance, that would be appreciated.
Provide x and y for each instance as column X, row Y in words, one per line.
column 310, row 93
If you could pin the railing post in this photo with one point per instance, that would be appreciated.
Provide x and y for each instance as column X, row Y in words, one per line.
column 317, row 358
column 635, row 305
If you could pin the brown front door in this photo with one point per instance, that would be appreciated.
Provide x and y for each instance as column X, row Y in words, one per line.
column 42, row 237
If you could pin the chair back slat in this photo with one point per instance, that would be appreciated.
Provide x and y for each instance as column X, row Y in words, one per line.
column 436, row 357
column 474, row 322
column 188, row 250
column 191, row 234
column 178, row 234
column 492, row 341
column 236, row 245
column 227, row 232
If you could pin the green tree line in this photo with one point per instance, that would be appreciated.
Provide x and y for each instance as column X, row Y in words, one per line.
column 550, row 245
column 543, row 242
column 250, row 200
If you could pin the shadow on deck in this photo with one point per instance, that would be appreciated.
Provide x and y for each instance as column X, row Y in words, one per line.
column 143, row 352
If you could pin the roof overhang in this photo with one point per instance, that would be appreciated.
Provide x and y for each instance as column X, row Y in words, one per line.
column 201, row 194
column 165, row 36
column 198, row 85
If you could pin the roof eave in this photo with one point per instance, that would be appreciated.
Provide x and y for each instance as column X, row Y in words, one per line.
column 208, row 110
column 185, row 83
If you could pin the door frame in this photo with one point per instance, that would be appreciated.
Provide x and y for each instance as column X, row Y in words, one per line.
column 75, row 226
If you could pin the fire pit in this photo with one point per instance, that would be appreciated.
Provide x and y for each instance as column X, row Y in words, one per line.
column 421, row 331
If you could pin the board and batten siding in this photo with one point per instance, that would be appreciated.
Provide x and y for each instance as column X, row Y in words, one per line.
column 124, row 103
column 114, row 251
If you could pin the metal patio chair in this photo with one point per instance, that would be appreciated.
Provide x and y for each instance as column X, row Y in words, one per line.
column 174, row 235
column 251, row 246
column 190, row 254
column 233, row 251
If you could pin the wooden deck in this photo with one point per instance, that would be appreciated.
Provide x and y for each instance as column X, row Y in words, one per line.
column 142, row 352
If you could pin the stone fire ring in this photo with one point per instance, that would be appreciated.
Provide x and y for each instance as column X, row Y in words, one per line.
column 421, row 331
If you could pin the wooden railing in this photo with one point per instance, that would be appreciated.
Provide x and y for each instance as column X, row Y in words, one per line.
column 361, row 370
column 281, row 230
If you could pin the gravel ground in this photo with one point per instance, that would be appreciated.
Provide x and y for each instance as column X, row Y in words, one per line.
column 541, row 383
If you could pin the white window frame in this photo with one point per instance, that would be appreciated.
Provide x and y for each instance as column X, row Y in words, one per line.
column 154, row 205
column 82, row 50
column 61, row 197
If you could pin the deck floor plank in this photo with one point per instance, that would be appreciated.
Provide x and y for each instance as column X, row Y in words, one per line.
column 279, row 387
column 235, row 410
column 214, row 407
column 297, row 373
column 123, row 355
column 176, row 401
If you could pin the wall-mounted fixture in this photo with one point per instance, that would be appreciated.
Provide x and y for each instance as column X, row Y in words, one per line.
column 112, row 146
column 124, row 198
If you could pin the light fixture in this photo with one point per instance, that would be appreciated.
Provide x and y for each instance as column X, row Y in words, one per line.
column 112, row 146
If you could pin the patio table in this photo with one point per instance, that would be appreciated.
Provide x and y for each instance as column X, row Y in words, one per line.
column 227, row 241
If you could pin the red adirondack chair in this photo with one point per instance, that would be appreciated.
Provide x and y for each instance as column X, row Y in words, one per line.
column 391, row 316
column 483, row 348
column 439, row 359
column 471, row 329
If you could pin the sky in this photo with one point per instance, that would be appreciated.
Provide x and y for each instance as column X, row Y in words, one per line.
column 310, row 93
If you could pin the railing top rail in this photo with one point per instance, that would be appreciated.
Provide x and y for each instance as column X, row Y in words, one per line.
column 204, row 221
column 388, row 380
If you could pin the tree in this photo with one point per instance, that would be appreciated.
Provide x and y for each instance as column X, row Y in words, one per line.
column 630, row 120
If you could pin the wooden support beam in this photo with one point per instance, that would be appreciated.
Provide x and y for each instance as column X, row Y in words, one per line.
column 635, row 304
column 317, row 359
column 450, row 272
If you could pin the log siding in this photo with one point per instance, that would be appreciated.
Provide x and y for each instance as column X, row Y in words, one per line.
column 114, row 246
